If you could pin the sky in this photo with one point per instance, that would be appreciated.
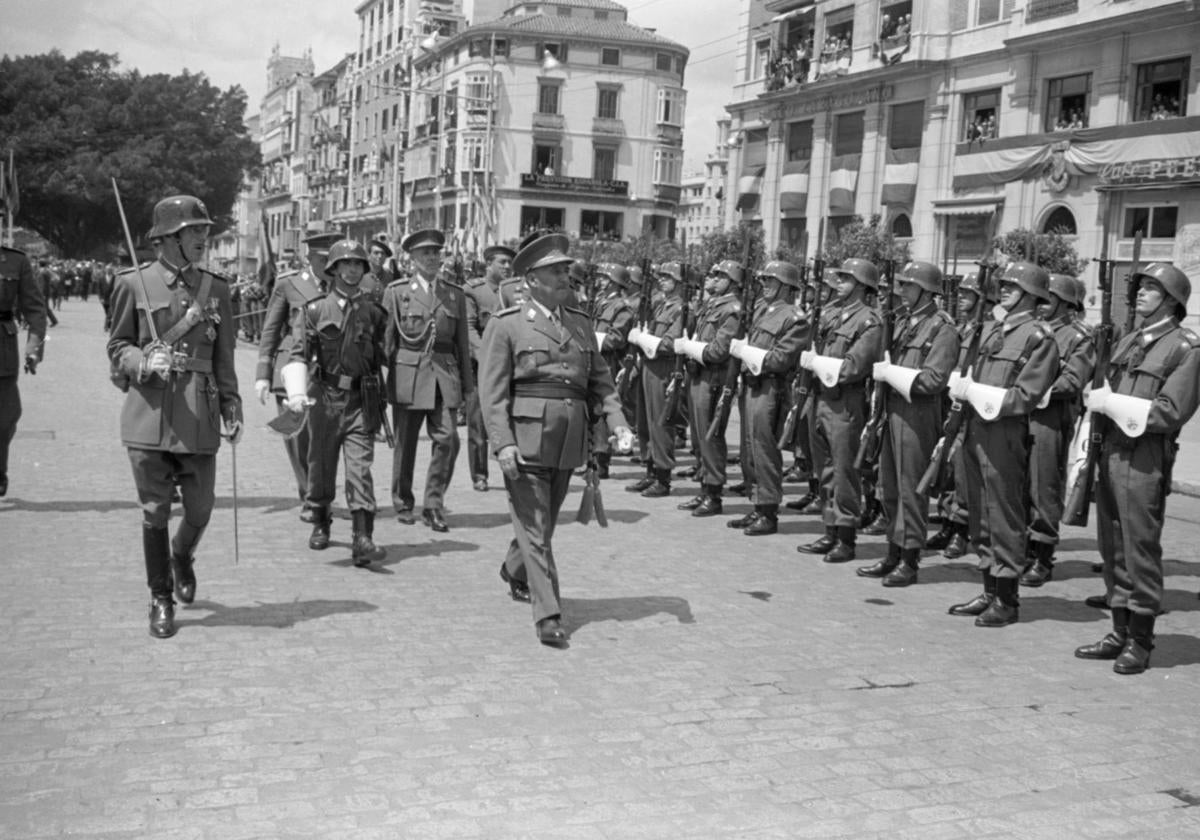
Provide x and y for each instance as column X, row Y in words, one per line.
column 230, row 42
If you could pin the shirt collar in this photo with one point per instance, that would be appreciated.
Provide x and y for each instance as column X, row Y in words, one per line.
column 1153, row 332
column 1011, row 322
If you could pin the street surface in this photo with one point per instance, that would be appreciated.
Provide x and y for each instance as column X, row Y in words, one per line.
column 717, row 686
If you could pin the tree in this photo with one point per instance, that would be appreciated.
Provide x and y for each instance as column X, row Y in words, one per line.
column 869, row 240
column 75, row 123
column 732, row 245
column 1052, row 251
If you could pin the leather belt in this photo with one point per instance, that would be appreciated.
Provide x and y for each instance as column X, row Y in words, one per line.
column 550, row 390
column 342, row 383
column 181, row 362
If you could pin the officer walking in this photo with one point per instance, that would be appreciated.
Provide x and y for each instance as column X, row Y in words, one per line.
column 539, row 374
column 293, row 291
column 1152, row 393
column 21, row 296
column 333, row 370
column 429, row 353
column 1018, row 361
column 171, row 346
column 918, row 365
column 483, row 301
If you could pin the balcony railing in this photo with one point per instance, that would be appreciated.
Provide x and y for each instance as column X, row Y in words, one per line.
column 548, row 122
column 608, row 127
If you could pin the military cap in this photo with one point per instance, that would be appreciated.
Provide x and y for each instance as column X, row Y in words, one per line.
column 322, row 242
column 547, row 250
column 497, row 250
column 380, row 241
column 423, row 239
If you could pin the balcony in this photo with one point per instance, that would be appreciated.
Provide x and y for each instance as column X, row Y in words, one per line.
column 667, row 193
column 606, row 127
column 566, row 184
column 670, row 135
column 549, row 123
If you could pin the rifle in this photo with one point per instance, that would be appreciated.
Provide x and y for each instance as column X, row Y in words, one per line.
column 725, row 401
column 934, row 478
column 872, row 436
column 1089, row 434
column 1132, row 284
column 802, row 383
column 675, row 387
column 375, row 407
column 628, row 373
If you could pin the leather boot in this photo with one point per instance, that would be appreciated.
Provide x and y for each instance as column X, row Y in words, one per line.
column 942, row 538
column 979, row 603
column 743, row 522
column 642, row 483
column 1004, row 607
column 362, row 547
column 766, row 523
column 843, row 552
column 660, row 486
column 906, row 573
column 694, row 502
column 322, row 522
column 1112, row 645
column 1042, row 569
column 711, row 506
column 824, row 545
column 742, row 488
column 878, row 525
column 1135, row 658
column 813, row 494
column 156, row 550
column 957, row 547
column 870, row 510
column 183, row 558
column 883, row 567
column 603, row 459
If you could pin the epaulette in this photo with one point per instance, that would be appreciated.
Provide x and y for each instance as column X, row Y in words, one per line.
column 286, row 274
column 399, row 281
column 131, row 270
column 1190, row 337
column 476, row 282
column 508, row 310
column 1084, row 330
column 946, row 319
column 577, row 311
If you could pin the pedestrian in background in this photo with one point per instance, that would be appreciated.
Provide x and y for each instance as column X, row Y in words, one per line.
column 20, row 297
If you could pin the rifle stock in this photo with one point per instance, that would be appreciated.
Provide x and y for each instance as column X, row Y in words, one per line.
column 802, row 384
column 872, row 437
column 675, row 386
column 725, row 400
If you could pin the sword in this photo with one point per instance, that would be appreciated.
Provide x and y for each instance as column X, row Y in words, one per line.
column 233, row 457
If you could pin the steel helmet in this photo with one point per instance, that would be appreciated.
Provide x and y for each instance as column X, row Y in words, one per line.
column 784, row 272
column 863, row 271
column 578, row 272
column 1030, row 277
column 615, row 273
column 173, row 214
column 635, row 276
column 925, row 274
column 1065, row 288
column 1174, row 282
column 1080, row 293
column 347, row 249
column 671, row 269
column 732, row 269
column 970, row 283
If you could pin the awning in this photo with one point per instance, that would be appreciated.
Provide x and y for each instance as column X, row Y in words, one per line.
column 794, row 13
column 967, row 206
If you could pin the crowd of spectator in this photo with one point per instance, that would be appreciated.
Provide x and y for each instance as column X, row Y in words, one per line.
column 981, row 128
column 1164, row 107
column 1070, row 119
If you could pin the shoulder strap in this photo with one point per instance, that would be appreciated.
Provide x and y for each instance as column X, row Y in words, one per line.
column 193, row 314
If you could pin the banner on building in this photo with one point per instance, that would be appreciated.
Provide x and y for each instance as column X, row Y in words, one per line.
column 793, row 188
column 750, row 189
column 843, row 182
column 900, row 176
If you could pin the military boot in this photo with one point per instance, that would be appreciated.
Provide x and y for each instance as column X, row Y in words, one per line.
column 1135, row 658
column 156, row 550
column 660, row 486
column 878, row 524
column 979, row 603
column 183, row 558
column 883, row 567
column 694, row 502
column 906, row 573
column 957, row 547
column 1004, row 607
column 362, row 547
column 603, row 459
column 766, row 523
column 643, row 482
column 1042, row 569
column 1112, row 645
column 742, row 488
column 322, row 522
column 743, row 522
column 824, row 545
column 843, row 552
column 813, row 495
column 942, row 538
column 711, row 506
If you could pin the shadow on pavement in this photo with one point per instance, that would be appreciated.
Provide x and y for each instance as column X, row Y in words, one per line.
column 280, row 615
column 579, row 612
column 937, row 569
column 481, row 520
column 1050, row 608
column 399, row 552
column 1172, row 650
column 95, row 505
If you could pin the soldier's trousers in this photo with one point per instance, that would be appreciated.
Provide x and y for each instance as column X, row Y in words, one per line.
column 656, row 375
column 1131, row 497
column 841, row 417
column 908, row 441
column 155, row 473
column 764, row 396
column 297, row 452
column 1051, row 429
column 10, row 413
column 443, row 435
column 996, row 458
column 703, row 397
column 535, row 497
column 477, row 439
column 336, row 424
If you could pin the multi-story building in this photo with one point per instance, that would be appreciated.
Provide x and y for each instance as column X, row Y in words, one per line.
column 283, row 140
column 559, row 114
column 954, row 119
column 328, row 154
column 702, row 201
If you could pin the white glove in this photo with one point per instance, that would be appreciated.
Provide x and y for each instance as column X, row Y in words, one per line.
column 262, row 387
column 1097, row 399
column 1045, row 401
column 806, row 359
column 959, row 388
column 235, row 430
column 600, row 336
column 879, row 370
column 635, row 333
column 953, row 380
column 622, row 439
column 158, row 361
column 737, row 347
column 298, row 403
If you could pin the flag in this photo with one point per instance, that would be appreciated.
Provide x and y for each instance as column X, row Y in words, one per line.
column 843, row 182
column 900, row 176
column 749, row 189
column 266, row 255
column 793, row 188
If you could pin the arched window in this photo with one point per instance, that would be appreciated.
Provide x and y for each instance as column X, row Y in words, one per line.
column 1061, row 220
column 902, row 226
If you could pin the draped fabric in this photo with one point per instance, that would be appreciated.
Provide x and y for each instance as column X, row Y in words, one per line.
column 793, row 188
column 900, row 176
column 843, row 182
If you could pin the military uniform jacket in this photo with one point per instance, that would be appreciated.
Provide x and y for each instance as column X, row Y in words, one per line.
column 536, row 384
column 1019, row 355
column 614, row 318
column 427, row 344
column 183, row 412
column 1076, row 359
column 292, row 293
column 716, row 324
column 342, row 337
column 483, row 300
column 855, row 335
column 778, row 330
column 19, row 294
column 1160, row 363
column 927, row 340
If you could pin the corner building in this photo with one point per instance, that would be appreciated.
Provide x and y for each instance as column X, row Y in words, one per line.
column 1070, row 115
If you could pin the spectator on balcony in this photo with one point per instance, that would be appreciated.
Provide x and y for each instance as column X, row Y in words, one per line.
column 887, row 27
column 904, row 28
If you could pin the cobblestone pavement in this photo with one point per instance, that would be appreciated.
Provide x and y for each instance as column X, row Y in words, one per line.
column 716, row 686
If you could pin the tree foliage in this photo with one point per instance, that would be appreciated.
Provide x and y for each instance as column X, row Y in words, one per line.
column 75, row 123
column 1052, row 251
column 869, row 240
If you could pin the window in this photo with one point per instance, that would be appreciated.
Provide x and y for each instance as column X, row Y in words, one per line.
column 478, row 97
column 848, row 134
column 1162, row 90
column 906, row 125
column 839, row 33
column 559, row 51
column 662, row 62
column 668, row 166
column 547, row 160
column 981, row 114
column 792, row 232
column 606, row 102
column 472, row 154
column 670, row 106
column 604, row 163
column 799, row 140
column 1152, row 222
column 762, row 57
column 1067, row 102
column 895, row 22
column 599, row 224
column 547, row 98
column 610, row 56
column 564, row 11
column 902, row 226
column 601, row 14
column 1061, row 220
column 501, row 48
column 540, row 218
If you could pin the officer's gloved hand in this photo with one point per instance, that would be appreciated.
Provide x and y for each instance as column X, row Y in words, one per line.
column 622, row 439
column 958, row 390
column 262, row 387
column 1097, row 399
column 158, row 361
column 31, row 364
column 233, row 431
column 879, row 370
column 298, row 403
column 806, row 359
column 509, row 459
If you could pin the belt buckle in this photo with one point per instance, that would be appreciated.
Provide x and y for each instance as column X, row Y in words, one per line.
column 179, row 361
column 344, row 382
